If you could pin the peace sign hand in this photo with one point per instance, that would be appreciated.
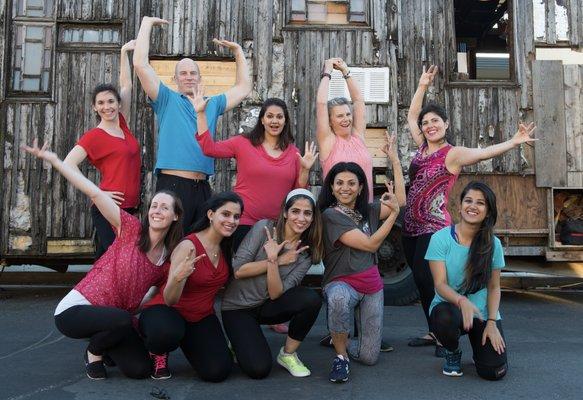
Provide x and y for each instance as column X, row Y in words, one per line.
column 390, row 146
column 389, row 199
column 272, row 248
column 428, row 75
column 291, row 256
column 186, row 267
column 524, row 134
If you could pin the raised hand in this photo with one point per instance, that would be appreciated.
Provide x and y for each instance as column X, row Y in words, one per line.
column 389, row 199
column 428, row 75
column 233, row 46
column 272, row 248
column 129, row 46
column 198, row 101
column 524, row 134
column 118, row 197
column 291, row 256
column 186, row 266
column 310, row 156
column 340, row 65
column 156, row 21
column 390, row 146
column 492, row 333
column 43, row 153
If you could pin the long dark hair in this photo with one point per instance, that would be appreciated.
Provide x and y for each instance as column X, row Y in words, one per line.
column 327, row 199
column 104, row 87
column 479, row 266
column 257, row 134
column 310, row 237
column 215, row 202
column 174, row 234
column 438, row 109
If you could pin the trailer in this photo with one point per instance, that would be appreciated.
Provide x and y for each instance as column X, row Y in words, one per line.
column 492, row 76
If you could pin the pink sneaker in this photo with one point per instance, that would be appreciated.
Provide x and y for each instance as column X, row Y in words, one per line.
column 279, row 328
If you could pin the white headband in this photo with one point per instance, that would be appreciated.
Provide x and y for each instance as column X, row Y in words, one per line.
column 303, row 192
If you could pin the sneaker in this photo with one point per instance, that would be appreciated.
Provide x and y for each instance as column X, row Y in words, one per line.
column 453, row 363
column 326, row 341
column 440, row 351
column 292, row 363
column 340, row 369
column 385, row 347
column 95, row 370
column 161, row 370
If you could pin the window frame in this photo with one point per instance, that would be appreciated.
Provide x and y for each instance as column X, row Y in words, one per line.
column 88, row 46
column 306, row 25
column 451, row 60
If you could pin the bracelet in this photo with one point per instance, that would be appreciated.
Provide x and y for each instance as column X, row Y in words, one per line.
column 324, row 74
column 491, row 319
column 347, row 75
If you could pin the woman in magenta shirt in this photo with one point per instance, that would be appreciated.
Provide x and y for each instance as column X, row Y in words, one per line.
column 269, row 165
column 113, row 150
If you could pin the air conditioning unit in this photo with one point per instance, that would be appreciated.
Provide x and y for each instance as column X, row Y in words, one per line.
column 372, row 82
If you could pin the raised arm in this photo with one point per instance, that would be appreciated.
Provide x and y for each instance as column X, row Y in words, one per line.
column 306, row 163
column 146, row 74
column 417, row 103
column 358, row 107
column 459, row 157
column 243, row 83
column 391, row 150
column 324, row 134
column 125, row 79
column 102, row 201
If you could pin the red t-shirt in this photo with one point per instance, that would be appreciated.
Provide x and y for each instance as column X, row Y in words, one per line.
column 117, row 160
column 123, row 274
column 262, row 181
column 198, row 296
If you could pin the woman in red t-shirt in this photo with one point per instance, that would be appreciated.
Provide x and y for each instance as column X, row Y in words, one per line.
column 182, row 313
column 102, row 305
column 112, row 149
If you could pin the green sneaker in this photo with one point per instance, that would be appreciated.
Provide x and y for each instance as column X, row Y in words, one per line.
column 292, row 363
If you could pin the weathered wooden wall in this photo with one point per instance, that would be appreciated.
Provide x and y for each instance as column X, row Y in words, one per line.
column 403, row 35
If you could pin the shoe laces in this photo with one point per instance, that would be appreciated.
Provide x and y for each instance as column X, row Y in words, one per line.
column 454, row 357
column 160, row 361
column 339, row 364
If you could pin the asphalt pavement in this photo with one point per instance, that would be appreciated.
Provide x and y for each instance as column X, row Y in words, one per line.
column 544, row 335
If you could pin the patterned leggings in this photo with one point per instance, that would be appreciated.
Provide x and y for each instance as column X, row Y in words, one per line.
column 342, row 300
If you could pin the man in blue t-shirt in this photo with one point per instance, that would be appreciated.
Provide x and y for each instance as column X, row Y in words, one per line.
column 180, row 164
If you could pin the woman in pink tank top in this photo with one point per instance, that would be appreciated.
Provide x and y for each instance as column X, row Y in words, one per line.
column 340, row 129
column 433, row 172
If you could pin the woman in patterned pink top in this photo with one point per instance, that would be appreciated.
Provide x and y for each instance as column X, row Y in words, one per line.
column 433, row 172
column 101, row 306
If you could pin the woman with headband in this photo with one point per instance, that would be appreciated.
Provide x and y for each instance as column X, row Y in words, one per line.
column 268, row 269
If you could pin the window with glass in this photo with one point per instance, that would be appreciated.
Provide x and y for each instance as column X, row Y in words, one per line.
column 83, row 35
column 483, row 31
column 328, row 12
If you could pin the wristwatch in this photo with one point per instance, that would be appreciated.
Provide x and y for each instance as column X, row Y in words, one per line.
column 347, row 75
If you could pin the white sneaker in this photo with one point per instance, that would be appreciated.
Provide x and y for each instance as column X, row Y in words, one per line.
column 292, row 363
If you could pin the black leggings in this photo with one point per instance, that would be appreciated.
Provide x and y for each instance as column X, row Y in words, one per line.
column 299, row 305
column 203, row 342
column 415, row 248
column 447, row 325
column 110, row 332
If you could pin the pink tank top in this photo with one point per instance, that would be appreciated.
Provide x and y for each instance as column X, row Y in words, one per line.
column 431, row 182
column 350, row 150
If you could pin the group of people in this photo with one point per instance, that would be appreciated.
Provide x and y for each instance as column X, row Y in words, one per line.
column 154, row 284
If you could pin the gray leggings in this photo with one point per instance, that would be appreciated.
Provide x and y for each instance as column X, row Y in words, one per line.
column 342, row 300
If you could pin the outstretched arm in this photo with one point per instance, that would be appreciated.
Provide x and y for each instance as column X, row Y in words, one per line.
column 146, row 74
column 125, row 79
column 243, row 83
column 417, row 103
column 459, row 157
column 102, row 201
column 324, row 134
column 358, row 107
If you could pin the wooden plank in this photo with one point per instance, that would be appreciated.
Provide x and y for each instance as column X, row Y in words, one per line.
column 551, row 21
column 573, row 75
column 69, row 246
column 549, row 118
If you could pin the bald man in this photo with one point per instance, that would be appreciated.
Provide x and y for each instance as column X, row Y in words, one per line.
column 180, row 164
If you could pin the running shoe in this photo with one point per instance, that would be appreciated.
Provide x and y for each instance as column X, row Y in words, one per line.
column 340, row 369
column 292, row 363
column 160, row 366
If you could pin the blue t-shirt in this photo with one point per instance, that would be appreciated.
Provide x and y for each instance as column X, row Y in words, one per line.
column 443, row 247
column 177, row 146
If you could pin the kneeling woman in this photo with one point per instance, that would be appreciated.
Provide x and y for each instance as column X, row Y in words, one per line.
column 353, row 232
column 100, row 307
column 268, row 267
column 182, row 314
column 465, row 261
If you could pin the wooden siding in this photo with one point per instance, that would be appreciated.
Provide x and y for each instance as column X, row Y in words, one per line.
column 285, row 61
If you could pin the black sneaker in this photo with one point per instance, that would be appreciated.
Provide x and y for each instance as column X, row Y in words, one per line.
column 440, row 351
column 326, row 341
column 453, row 363
column 385, row 347
column 95, row 370
column 340, row 369
column 160, row 367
